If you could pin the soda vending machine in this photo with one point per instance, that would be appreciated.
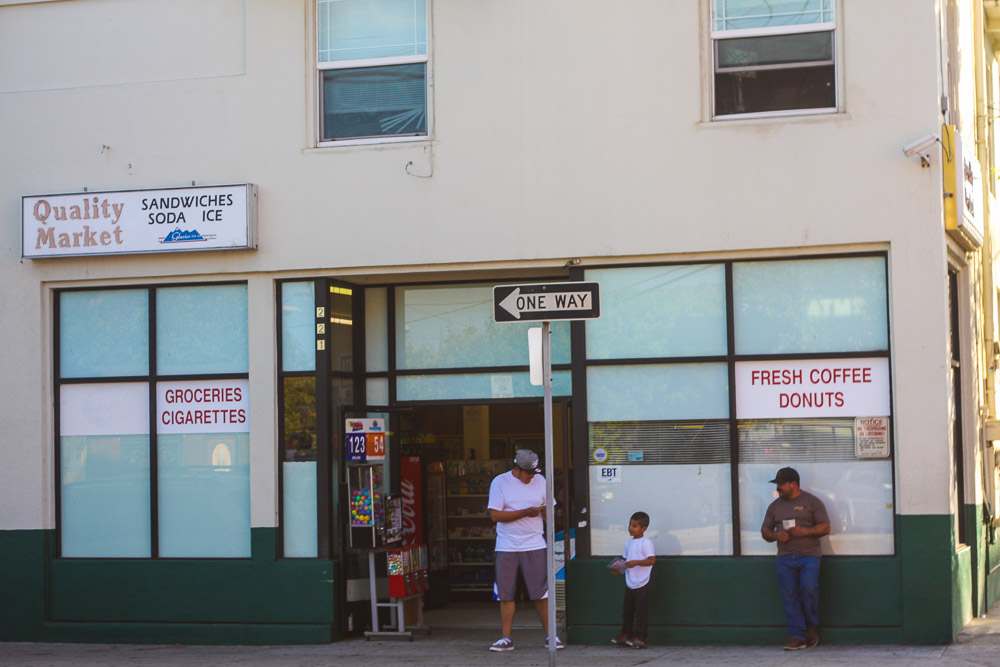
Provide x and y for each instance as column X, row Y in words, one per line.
column 422, row 483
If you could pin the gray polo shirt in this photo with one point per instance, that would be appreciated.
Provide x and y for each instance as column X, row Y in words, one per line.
column 807, row 510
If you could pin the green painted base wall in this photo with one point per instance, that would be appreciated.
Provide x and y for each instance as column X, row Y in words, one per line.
column 988, row 561
column 922, row 595
column 911, row 598
column 260, row 600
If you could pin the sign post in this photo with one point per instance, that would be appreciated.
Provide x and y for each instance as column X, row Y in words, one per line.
column 546, row 303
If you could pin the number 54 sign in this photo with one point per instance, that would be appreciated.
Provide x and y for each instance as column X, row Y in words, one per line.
column 364, row 439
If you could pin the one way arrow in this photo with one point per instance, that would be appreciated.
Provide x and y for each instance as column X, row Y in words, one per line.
column 516, row 303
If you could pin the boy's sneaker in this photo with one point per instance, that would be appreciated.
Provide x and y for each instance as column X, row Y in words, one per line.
column 638, row 643
column 621, row 640
column 812, row 637
column 503, row 644
column 559, row 643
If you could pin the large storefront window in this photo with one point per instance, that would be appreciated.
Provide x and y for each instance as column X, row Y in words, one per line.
column 298, row 469
column 664, row 430
column 195, row 430
column 448, row 327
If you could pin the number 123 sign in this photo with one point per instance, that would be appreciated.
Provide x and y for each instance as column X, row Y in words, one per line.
column 364, row 439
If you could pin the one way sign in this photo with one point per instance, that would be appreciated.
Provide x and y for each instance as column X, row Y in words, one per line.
column 550, row 302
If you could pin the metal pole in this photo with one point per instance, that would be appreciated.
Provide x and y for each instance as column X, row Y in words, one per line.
column 550, row 468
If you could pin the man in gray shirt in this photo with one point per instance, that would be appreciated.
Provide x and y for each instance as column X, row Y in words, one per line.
column 796, row 520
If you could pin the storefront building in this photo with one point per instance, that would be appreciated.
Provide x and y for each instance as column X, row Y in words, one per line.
column 251, row 240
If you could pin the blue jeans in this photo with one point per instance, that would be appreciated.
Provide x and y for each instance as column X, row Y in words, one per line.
column 798, row 580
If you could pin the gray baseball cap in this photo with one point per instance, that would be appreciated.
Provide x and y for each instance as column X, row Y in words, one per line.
column 527, row 460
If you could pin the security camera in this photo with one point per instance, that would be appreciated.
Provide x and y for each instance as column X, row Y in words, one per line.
column 920, row 146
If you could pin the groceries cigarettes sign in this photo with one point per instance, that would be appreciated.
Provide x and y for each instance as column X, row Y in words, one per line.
column 221, row 217
column 210, row 406
column 814, row 388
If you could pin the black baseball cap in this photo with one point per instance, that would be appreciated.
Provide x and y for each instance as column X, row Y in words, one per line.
column 786, row 475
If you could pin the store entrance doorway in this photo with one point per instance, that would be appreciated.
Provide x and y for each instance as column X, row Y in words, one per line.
column 449, row 455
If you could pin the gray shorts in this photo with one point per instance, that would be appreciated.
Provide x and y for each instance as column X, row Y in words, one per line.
column 531, row 565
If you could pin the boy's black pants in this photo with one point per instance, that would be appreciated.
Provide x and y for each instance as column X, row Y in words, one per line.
column 635, row 606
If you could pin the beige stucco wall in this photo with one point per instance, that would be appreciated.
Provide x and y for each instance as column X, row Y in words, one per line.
column 561, row 129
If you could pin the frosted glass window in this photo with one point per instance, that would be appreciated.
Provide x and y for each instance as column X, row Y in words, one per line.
column 662, row 391
column 858, row 499
column 476, row 385
column 377, row 391
column 689, row 509
column 299, row 508
column 676, row 471
column 659, row 311
column 298, row 326
column 858, row 494
column 103, row 333
column 204, row 495
column 742, row 14
column 104, row 470
column 808, row 306
column 362, row 29
column 376, row 329
column 202, row 330
column 453, row 327
column 299, row 468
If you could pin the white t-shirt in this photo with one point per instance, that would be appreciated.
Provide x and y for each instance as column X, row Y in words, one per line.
column 639, row 548
column 508, row 493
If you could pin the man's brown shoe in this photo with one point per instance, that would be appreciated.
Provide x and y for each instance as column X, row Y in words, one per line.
column 794, row 644
column 812, row 637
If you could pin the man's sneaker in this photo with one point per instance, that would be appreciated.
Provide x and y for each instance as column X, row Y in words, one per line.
column 621, row 640
column 638, row 643
column 503, row 644
column 794, row 644
column 812, row 637
column 559, row 643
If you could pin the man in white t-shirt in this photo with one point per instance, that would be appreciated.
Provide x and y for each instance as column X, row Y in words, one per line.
column 517, row 504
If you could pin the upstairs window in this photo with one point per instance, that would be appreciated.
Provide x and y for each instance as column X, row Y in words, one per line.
column 773, row 56
column 372, row 61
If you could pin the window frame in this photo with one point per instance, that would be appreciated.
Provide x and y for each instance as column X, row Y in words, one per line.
column 150, row 379
column 323, row 67
column 715, row 36
column 582, row 421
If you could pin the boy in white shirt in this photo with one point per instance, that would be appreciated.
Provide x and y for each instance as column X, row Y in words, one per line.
column 639, row 556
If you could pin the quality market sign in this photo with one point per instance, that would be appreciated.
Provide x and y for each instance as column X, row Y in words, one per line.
column 222, row 217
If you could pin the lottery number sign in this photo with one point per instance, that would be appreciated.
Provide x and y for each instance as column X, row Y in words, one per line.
column 375, row 446
column 356, row 450
column 364, row 440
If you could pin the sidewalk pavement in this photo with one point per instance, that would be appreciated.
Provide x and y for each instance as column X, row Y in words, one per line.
column 470, row 647
column 977, row 644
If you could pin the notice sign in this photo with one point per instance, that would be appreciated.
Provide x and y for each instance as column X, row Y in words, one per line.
column 813, row 388
column 608, row 474
column 219, row 217
column 364, row 439
column 871, row 437
column 209, row 406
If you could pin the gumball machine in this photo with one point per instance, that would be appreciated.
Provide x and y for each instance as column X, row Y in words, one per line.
column 375, row 519
column 364, row 504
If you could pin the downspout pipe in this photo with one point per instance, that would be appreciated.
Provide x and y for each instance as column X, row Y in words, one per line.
column 983, row 135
